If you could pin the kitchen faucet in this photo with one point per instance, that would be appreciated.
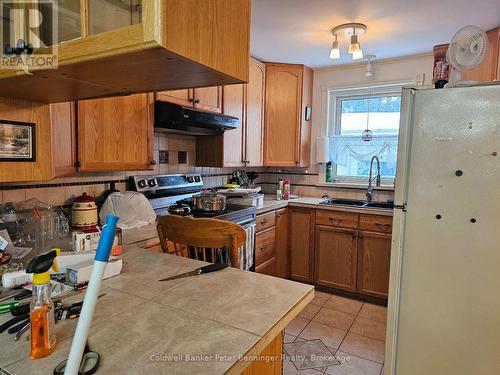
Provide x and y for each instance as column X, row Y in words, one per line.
column 369, row 192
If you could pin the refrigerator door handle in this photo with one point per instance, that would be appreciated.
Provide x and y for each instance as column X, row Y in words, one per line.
column 401, row 207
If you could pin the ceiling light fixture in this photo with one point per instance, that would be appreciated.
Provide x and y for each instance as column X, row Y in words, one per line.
column 352, row 31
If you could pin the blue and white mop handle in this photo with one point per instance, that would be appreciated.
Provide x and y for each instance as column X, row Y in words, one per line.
column 90, row 301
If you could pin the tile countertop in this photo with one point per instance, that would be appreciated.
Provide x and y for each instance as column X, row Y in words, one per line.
column 140, row 321
column 310, row 202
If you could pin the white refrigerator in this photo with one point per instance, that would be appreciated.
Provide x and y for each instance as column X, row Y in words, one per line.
column 444, row 293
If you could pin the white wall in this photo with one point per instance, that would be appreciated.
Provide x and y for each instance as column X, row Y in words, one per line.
column 416, row 69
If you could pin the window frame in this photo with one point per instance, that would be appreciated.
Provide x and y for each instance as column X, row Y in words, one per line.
column 334, row 97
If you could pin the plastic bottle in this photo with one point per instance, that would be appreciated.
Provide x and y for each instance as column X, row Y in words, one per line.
column 329, row 172
column 43, row 335
column 16, row 278
column 286, row 189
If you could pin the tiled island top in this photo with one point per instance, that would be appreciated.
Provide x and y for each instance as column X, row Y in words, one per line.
column 193, row 325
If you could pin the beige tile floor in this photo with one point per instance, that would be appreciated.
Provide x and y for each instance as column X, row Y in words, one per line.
column 352, row 330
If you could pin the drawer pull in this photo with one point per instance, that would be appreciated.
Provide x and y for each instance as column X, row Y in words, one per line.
column 263, row 221
column 383, row 225
column 263, row 248
column 335, row 219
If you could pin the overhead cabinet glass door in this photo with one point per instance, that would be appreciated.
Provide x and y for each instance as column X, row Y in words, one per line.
column 107, row 15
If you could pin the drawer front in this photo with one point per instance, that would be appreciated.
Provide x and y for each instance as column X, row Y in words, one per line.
column 264, row 246
column 337, row 219
column 374, row 223
column 267, row 268
column 265, row 221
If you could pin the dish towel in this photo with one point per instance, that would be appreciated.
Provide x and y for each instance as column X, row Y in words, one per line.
column 247, row 250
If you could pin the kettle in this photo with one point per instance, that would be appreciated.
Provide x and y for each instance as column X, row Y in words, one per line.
column 84, row 212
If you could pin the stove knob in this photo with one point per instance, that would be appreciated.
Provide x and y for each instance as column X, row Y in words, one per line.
column 190, row 179
column 152, row 183
column 142, row 184
column 197, row 178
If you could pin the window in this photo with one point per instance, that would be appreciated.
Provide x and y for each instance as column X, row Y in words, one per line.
column 350, row 113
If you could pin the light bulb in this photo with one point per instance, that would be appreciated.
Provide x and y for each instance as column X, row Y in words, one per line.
column 335, row 51
column 354, row 46
column 357, row 54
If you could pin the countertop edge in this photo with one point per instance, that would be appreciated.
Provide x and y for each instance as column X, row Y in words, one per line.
column 238, row 367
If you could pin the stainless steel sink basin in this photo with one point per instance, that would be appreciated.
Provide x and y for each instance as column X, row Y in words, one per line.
column 357, row 203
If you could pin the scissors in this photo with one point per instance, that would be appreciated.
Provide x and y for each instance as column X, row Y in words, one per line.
column 88, row 366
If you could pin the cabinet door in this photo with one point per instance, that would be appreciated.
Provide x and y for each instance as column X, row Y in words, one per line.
column 301, row 227
column 335, row 263
column 374, row 257
column 107, row 15
column 281, row 230
column 267, row 268
column 181, row 97
column 282, row 115
column 62, row 120
column 487, row 70
column 254, row 155
column 115, row 134
column 208, row 98
column 233, row 139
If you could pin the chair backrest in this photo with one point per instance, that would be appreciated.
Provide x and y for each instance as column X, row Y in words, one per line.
column 198, row 238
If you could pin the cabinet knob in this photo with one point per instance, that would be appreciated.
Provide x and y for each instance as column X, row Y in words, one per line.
column 152, row 162
column 196, row 101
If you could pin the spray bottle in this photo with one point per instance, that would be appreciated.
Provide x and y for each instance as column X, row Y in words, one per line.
column 43, row 335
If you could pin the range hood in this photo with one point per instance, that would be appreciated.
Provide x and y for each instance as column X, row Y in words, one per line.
column 173, row 118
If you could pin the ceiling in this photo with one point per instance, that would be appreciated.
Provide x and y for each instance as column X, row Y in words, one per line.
column 297, row 31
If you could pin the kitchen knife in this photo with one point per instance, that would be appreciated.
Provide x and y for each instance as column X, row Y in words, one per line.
column 198, row 271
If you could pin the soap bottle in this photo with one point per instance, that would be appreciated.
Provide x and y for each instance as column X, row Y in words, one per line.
column 329, row 172
column 43, row 335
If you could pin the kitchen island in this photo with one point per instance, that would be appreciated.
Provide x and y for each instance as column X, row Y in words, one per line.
column 216, row 323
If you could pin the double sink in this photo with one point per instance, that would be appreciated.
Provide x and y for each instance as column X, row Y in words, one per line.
column 358, row 203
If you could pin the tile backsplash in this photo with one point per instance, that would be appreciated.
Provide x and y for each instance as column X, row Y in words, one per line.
column 173, row 154
column 177, row 156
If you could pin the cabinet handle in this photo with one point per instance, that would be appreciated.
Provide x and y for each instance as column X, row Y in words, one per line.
column 296, row 162
column 196, row 101
column 335, row 219
column 360, row 235
column 152, row 162
column 382, row 225
column 263, row 221
column 263, row 248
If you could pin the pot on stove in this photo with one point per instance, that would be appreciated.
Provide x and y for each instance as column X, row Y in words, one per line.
column 209, row 201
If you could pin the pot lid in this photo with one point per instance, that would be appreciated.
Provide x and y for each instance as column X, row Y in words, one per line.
column 84, row 198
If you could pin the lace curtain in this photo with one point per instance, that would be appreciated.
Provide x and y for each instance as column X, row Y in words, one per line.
column 351, row 153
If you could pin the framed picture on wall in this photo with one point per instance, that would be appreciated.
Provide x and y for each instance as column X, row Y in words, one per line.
column 17, row 141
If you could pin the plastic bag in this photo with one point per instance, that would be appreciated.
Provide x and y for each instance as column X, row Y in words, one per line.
column 133, row 209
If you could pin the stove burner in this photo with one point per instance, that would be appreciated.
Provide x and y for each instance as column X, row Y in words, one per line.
column 198, row 213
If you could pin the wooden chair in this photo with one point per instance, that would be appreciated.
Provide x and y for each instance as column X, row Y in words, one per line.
column 198, row 238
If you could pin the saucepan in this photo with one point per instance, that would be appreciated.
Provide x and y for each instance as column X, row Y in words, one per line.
column 209, row 201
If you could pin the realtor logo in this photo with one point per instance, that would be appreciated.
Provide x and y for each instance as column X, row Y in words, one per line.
column 29, row 35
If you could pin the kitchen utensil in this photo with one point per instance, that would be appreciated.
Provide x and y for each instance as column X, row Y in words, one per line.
column 198, row 271
column 209, row 201
column 84, row 212
column 88, row 366
column 179, row 209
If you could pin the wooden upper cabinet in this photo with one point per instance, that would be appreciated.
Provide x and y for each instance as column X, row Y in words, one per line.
column 115, row 133
column 182, row 97
column 301, row 244
column 208, row 98
column 255, row 91
column 286, row 135
column 233, row 139
column 335, row 258
column 119, row 47
column 54, row 140
column 487, row 70
column 374, row 258
column 241, row 146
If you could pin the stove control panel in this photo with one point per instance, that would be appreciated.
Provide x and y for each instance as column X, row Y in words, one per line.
column 168, row 182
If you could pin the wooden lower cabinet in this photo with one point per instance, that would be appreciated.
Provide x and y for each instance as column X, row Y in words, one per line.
column 267, row 268
column 282, row 243
column 336, row 256
column 374, row 257
column 301, row 244
column 274, row 365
